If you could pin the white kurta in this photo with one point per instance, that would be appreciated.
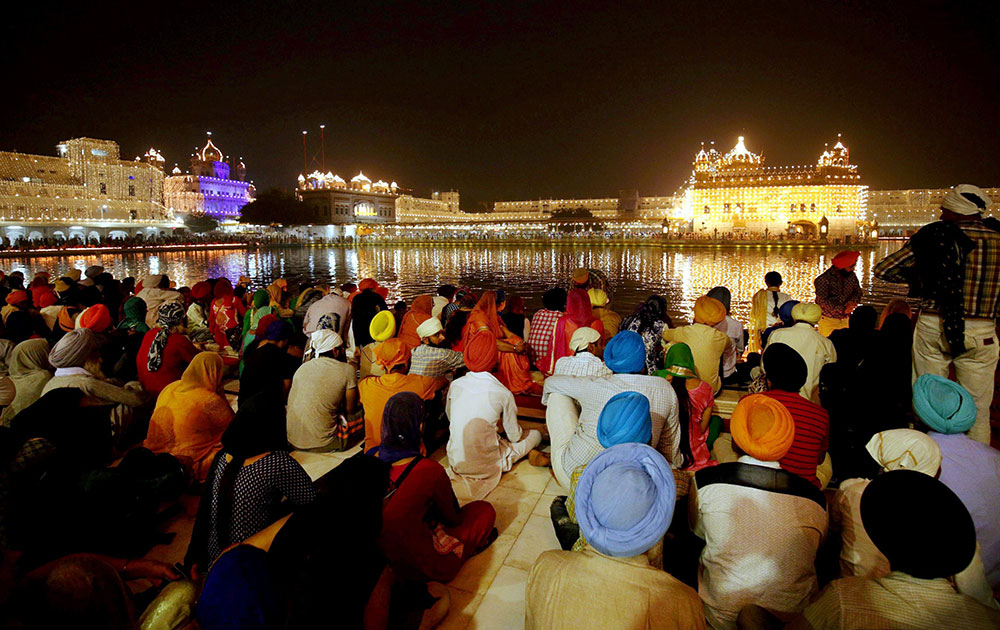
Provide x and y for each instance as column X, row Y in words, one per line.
column 477, row 455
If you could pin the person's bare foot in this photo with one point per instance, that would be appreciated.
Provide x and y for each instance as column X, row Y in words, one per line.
column 539, row 458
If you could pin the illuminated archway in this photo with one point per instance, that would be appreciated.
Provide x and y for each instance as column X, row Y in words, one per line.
column 803, row 227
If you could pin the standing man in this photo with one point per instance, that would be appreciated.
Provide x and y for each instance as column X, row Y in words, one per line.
column 954, row 266
column 838, row 292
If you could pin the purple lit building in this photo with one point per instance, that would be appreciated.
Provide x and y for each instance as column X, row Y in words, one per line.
column 213, row 187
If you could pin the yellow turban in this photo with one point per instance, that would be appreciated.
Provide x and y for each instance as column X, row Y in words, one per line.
column 709, row 311
column 383, row 326
column 807, row 312
column 762, row 427
column 598, row 297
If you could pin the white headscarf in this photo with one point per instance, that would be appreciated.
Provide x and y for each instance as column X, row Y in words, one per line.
column 905, row 449
column 324, row 340
column 956, row 202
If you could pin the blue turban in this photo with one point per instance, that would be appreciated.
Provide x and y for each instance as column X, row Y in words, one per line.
column 943, row 405
column 625, row 418
column 625, row 353
column 625, row 500
column 278, row 331
column 785, row 312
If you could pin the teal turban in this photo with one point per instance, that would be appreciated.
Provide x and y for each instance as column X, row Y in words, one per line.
column 943, row 405
column 625, row 418
column 625, row 500
column 625, row 353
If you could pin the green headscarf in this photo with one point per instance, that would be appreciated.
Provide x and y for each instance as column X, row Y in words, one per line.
column 679, row 362
column 261, row 298
column 135, row 315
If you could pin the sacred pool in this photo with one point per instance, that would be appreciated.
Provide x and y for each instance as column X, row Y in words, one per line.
column 679, row 274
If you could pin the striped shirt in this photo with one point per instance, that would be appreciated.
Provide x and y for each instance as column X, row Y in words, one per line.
column 812, row 435
column 433, row 361
column 981, row 289
column 542, row 332
column 897, row 600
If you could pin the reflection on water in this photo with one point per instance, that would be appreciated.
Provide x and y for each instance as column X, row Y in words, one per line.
column 681, row 275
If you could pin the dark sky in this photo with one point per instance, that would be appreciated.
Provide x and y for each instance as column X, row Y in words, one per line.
column 515, row 100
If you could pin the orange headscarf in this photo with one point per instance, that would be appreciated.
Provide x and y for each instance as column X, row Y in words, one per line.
column 419, row 312
column 481, row 352
column 483, row 317
column 96, row 318
column 392, row 352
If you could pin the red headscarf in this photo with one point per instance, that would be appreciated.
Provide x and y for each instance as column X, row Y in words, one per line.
column 223, row 288
column 264, row 322
column 201, row 290
column 579, row 314
column 481, row 352
column 420, row 311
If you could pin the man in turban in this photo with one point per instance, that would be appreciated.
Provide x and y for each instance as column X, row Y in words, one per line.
column 954, row 266
column 970, row 468
column 709, row 345
column 573, row 434
column 17, row 300
column 479, row 407
column 433, row 357
column 324, row 389
column 736, row 333
column 762, row 525
column 393, row 356
column 197, row 312
column 585, row 344
column 786, row 373
column 625, row 501
column 838, row 292
column 815, row 349
column 902, row 510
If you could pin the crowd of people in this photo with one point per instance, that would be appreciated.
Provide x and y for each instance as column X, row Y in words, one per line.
column 852, row 486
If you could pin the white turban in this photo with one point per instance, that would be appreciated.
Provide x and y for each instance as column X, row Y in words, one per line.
column 960, row 204
column 583, row 337
column 905, row 449
column 324, row 340
column 429, row 327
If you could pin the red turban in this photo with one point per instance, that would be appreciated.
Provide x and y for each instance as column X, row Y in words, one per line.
column 96, row 318
column 392, row 352
column 17, row 297
column 48, row 298
column 481, row 352
column 367, row 283
column 201, row 290
column 264, row 322
column 845, row 259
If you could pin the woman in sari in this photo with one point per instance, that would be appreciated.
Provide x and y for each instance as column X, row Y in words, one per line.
column 30, row 371
column 260, row 308
column 226, row 315
column 191, row 416
column 579, row 314
column 513, row 368
column 425, row 535
column 419, row 312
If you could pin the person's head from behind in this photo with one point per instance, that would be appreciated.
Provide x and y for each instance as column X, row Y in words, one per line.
column 585, row 339
column 297, row 344
column 943, row 405
column 625, row 353
column 625, row 502
column 772, row 279
column 555, row 299
column 762, row 428
column 653, row 310
column 278, row 333
column 964, row 202
column 468, row 301
column 392, row 355
column 327, row 343
column 784, row 367
column 480, row 352
column 402, row 427
column 400, row 306
column 77, row 348
column 863, row 319
column 447, row 291
column 902, row 510
column 348, row 288
column 625, row 418
column 905, row 449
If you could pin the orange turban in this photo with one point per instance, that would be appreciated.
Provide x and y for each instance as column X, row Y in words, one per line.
column 581, row 276
column 47, row 299
column 846, row 259
column 762, row 427
column 367, row 283
column 96, row 318
column 392, row 352
column 17, row 297
column 481, row 352
column 709, row 311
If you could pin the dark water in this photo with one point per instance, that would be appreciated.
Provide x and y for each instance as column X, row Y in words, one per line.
column 681, row 275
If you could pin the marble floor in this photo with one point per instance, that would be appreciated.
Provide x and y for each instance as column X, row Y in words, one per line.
column 489, row 590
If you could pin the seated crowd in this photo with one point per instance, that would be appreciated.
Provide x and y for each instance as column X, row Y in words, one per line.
column 836, row 495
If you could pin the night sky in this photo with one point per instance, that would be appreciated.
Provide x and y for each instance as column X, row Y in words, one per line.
column 515, row 102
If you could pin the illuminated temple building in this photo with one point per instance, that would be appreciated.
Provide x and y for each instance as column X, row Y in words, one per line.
column 737, row 193
column 212, row 188
column 86, row 191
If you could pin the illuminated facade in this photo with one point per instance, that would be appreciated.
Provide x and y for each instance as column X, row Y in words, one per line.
column 627, row 205
column 330, row 200
column 83, row 192
column 737, row 193
column 441, row 207
column 901, row 211
column 211, row 188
